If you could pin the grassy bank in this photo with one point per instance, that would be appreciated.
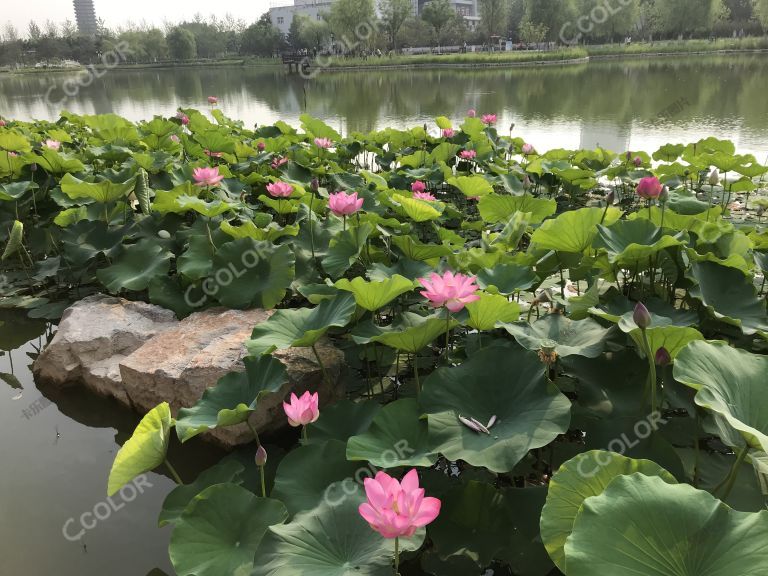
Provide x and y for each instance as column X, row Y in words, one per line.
column 154, row 65
column 680, row 47
column 470, row 59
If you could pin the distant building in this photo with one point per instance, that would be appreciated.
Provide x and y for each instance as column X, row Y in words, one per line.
column 282, row 14
column 85, row 14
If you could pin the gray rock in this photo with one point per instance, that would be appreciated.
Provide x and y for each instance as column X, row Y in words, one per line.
column 94, row 335
column 142, row 355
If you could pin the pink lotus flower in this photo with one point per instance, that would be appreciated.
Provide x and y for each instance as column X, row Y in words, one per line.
column 468, row 154
column 304, row 410
column 453, row 291
column 52, row 144
column 280, row 189
column 489, row 119
column 2, row 123
column 261, row 146
column 12, row 154
column 418, row 186
column 343, row 204
column 213, row 100
column 323, row 143
column 474, row 198
column 214, row 154
column 396, row 509
column 175, row 138
column 279, row 161
column 424, row 196
column 183, row 118
column 649, row 188
column 207, row 176
column 638, row 161
column 528, row 149
column 449, row 132
column 471, row 112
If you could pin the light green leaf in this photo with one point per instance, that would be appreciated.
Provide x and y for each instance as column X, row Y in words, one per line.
column 375, row 295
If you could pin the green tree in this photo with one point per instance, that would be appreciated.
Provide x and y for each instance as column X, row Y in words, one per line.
column 492, row 17
column 353, row 22
column 394, row 13
column 34, row 31
column 438, row 13
column 531, row 33
column 315, row 34
column 557, row 15
column 515, row 15
column 688, row 17
column 294, row 39
column 761, row 12
column 182, row 44
column 261, row 38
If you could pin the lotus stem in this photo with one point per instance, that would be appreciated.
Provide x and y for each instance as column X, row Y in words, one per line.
column 397, row 556
column 730, row 480
column 651, row 368
column 311, row 228
column 416, row 372
column 305, row 435
column 322, row 366
column 173, row 472
column 447, row 337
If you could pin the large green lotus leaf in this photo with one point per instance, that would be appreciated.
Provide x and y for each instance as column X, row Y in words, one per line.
column 184, row 203
column 104, row 191
column 248, row 229
column 471, row 186
column 345, row 248
column 220, row 531
column 507, row 278
column 409, row 332
column 234, row 397
column 476, row 520
column 397, row 437
column 329, row 540
column 502, row 381
column 375, row 295
column 417, row 210
column 667, row 218
column 318, row 128
column 136, row 267
column 306, row 473
column 223, row 472
column 55, row 163
column 499, row 208
column 525, row 552
column 583, row 337
column 642, row 526
column 250, row 274
column 14, row 190
column 672, row 338
column 490, row 309
column 301, row 326
column 633, row 243
column 610, row 385
column 729, row 295
column 415, row 250
column 573, row 231
column 581, row 477
column 343, row 419
column 732, row 384
column 145, row 450
column 197, row 261
column 12, row 141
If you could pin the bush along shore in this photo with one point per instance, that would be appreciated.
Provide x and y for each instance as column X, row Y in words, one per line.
column 556, row 359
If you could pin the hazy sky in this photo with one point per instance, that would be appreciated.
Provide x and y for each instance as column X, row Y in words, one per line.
column 117, row 12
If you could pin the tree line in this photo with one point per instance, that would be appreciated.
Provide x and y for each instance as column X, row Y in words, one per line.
column 361, row 25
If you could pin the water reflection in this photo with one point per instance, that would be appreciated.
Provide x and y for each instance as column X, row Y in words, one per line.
column 616, row 104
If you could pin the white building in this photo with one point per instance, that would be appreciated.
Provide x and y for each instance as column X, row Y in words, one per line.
column 282, row 14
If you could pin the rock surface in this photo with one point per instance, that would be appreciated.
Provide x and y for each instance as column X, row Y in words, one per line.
column 94, row 335
column 142, row 355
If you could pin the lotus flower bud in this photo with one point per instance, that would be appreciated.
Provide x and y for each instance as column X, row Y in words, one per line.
column 261, row 146
column 664, row 196
column 629, row 155
column 33, row 167
column 511, row 126
column 526, row 183
column 662, row 357
column 261, row 456
column 314, row 185
column 610, row 198
column 714, row 177
column 638, row 161
column 641, row 316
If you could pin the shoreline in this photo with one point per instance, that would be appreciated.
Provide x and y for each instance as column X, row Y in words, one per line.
column 597, row 56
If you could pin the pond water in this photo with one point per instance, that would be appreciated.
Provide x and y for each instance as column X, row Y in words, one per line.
column 633, row 104
column 56, row 451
